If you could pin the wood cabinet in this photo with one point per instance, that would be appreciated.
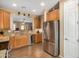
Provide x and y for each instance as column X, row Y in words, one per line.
column 37, row 22
column 19, row 41
column 4, row 40
column 4, row 19
column 53, row 15
column 38, row 37
column 1, row 19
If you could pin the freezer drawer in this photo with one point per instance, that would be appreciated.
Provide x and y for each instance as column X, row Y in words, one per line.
column 46, row 46
column 52, row 49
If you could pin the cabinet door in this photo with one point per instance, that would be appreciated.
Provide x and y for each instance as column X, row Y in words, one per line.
column 24, row 41
column 38, row 38
column 37, row 22
column 1, row 19
column 12, row 42
column 6, row 20
column 17, row 42
column 53, row 15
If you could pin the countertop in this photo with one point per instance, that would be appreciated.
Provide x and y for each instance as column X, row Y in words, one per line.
column 4, row 38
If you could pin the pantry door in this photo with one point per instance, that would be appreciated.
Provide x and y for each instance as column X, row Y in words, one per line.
column 71, row 43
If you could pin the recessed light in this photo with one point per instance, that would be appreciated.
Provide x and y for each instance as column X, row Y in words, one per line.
column 14, row 4
column 34, row 10
column 42, row 4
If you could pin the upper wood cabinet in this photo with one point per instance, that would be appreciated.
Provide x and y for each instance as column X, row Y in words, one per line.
column 53, row 15
column 37, row 22
column 1, row 19
column 4, row 19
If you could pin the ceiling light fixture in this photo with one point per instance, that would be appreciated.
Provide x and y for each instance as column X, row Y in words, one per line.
column 42, row 4
column 18, row 13
column 14, row 4
column 34, row 10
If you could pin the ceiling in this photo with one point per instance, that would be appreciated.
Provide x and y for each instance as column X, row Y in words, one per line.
column 28, row 4
column 22, row 19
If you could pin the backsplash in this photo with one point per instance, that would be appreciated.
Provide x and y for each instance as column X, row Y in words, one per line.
column 5, row 32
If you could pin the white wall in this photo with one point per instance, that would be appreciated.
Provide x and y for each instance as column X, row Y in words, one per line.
column 71, row 29
column 61, row 28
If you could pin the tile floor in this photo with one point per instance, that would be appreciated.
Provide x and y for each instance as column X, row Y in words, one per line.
column 34, row 51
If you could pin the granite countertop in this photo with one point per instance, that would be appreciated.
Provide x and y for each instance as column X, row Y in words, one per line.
column 4, row 38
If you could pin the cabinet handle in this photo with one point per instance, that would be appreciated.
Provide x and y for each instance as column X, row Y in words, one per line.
column 66, row 39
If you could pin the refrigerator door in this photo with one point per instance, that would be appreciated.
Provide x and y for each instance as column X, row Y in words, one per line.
column 57, row 38
column 46, row 45
column 51, row 39
column 51, row 32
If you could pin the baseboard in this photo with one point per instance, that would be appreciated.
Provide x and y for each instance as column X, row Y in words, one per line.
column 61, row 56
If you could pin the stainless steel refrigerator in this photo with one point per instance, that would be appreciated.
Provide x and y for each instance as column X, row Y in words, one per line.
column 51, row 42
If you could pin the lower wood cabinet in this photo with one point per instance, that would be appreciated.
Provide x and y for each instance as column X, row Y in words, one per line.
column 38, row 37
column 19, row 41
column 4, row 45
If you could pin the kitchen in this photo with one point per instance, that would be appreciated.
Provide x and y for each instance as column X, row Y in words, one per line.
column 38, row 29
column 21, row 28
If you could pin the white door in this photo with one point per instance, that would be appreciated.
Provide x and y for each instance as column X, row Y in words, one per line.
column 71, row 29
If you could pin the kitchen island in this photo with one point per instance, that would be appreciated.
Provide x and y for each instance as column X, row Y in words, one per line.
column 19, row 40
column 4, row 40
